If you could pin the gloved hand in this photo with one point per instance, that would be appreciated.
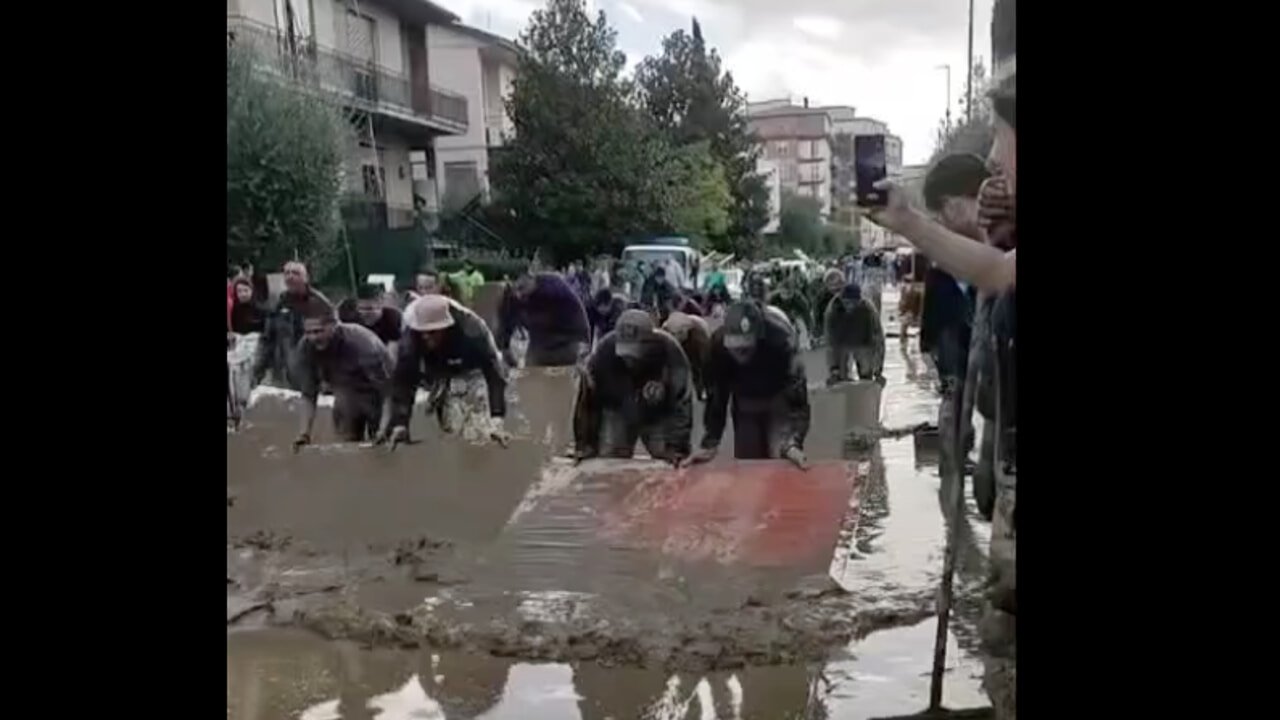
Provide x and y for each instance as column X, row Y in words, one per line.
column 703, row 455
column 652, row 392
column 796, row 456
column 301, row 441
column 393, row 437
column 509, row 358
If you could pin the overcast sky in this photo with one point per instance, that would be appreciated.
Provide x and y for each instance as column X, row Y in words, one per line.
column 880, row 56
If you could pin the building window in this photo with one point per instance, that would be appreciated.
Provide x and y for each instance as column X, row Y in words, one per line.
column 375, row 181
column 461, row 183
column 782, row 148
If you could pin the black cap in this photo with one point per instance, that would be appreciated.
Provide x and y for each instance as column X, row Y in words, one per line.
column 743, row 324
column 633, row 329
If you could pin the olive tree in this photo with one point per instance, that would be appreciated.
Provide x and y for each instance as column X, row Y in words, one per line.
column 286, row 142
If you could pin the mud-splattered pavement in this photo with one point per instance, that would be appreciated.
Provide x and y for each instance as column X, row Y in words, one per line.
column 401, row 554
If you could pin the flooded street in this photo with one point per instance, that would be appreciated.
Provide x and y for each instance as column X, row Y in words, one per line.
column 450, row 593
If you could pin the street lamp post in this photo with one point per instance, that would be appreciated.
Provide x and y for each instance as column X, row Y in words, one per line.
column 968, row 85
column 947, row 69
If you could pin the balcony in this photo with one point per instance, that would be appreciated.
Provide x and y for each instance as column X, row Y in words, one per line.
column 358, row 83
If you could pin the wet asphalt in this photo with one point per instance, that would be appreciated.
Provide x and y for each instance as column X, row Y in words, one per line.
column 307, row 524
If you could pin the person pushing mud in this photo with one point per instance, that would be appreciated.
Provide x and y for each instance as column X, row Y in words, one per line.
column 444, row 340
column 756, row 369
column 552, row 313
column 635, row 386
column 354, row 363
column 854, row 332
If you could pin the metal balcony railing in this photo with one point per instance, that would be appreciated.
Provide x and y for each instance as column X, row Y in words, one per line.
column 356, row 80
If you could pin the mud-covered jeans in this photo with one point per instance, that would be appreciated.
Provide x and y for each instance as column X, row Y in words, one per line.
column 760, row 434
column 356, row 416
column 1000, row 619
column 869, row 360
column 618, row 437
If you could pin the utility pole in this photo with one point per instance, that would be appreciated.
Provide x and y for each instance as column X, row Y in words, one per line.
column 947, row 68
column 968, row 85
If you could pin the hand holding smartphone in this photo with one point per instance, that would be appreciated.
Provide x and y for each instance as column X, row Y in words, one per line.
column 870, row 167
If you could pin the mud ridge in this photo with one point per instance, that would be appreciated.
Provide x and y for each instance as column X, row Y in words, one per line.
column 807, row 626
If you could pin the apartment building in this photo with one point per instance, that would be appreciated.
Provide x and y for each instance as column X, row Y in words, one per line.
column 768, row 169
column 480, row 66
column 797, row 139
column 373, row 55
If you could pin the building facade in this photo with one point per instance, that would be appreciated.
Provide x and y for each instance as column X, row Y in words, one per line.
column 768, row 169
column 846, row 126
column 373, row 56
column 481, row 67
column 797, row 140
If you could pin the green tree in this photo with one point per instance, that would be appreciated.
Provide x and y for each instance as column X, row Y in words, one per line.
column 800, row 224
column 285, row 150
column 701, row 197
column 693, row 99
column 586, row 169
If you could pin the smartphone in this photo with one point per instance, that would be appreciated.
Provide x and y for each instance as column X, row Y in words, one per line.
column 869, row 168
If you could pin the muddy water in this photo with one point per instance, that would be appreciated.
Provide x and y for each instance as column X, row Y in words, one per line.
column 347, row 526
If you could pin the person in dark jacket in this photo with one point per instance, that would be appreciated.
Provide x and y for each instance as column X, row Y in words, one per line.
column 282, row 328
column 854, row 332
column 247, row 316
column 694, row 336
column 353, row 362
column 371, row 310
column 444, row 340
column 946, row 320
column 636, row 386
column 756, row 372
column 606, row 308
column 551, row 313
column 829, row 288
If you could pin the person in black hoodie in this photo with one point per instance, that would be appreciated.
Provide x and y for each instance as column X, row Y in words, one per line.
column 370, row 309
column 755, row 372
column 247, row 316
column 854, row 332
column 606, row 307
column 551, row 313
column 637, row 385
column 282, row 328
column 443, row 340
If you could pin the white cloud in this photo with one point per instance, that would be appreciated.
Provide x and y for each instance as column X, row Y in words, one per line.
column 630, row 11
column 827, row 28
column 880, row 56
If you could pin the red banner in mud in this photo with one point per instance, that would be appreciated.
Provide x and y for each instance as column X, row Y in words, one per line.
column 757, row 513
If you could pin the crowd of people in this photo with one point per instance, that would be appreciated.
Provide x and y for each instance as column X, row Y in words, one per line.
column 646, row 345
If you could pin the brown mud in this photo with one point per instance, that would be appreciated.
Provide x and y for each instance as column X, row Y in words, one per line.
column 396, row 550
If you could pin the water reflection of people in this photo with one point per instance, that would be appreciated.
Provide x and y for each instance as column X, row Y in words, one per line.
column 605, row 693
column 469, row 684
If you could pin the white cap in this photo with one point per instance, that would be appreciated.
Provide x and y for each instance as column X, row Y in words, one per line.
column 428, row 313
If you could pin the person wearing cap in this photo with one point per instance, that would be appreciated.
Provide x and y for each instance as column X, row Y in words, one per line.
column 444, row 340
column 551, row 313
column 355, row 365
column 831, row 285
column 854, row 333
column 694, row 336
column 756, row 371
column 635, row 386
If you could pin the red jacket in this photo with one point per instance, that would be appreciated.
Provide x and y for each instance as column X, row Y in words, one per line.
column 231, row 302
